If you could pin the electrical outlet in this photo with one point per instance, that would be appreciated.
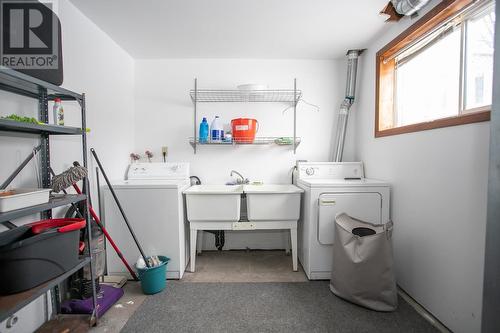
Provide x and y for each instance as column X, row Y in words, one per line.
column 164, row 153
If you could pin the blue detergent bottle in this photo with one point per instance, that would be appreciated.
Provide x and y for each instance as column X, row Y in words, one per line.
column 204, row 131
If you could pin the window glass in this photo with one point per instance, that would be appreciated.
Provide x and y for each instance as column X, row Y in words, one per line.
column 479, row 60
column 438, row 72
column 428, row 83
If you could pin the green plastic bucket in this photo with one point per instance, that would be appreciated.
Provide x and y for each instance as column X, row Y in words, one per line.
column 154, row 279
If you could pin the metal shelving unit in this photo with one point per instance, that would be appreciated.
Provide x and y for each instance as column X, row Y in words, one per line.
column 53, row 203
column 291, row 96
column 10, row 304
column 15, row 126
column 25, row 85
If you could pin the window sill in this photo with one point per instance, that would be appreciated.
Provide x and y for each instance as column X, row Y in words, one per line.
column 463, row 119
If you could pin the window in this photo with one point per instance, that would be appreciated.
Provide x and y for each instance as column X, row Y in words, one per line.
column 439, row 72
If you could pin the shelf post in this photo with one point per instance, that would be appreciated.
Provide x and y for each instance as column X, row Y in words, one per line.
column 295, row 115
column 195, row 102
column 44, row 167
column 84, row 132
column 88, row 228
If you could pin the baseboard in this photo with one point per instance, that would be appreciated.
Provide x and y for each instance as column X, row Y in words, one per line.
column 423, row 312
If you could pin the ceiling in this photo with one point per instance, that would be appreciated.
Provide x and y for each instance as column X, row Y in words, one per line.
column 310, row 29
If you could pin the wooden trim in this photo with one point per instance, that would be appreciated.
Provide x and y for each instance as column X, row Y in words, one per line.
column 441, row 12
column 438, row 123
column 477, row 109
column 384, row 84
column 384, row 112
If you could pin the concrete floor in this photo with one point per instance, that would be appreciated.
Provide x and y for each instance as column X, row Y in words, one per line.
column 116, row 317
column 112, row 321
column 211, row 266
column 244, row 266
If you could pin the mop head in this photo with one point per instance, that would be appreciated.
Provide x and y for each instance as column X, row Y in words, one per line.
column 68, row 178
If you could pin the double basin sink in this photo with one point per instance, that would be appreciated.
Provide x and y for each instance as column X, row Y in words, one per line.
column 222, row 203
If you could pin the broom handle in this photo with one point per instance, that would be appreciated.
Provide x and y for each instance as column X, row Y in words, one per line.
column 108, row 236
column 92, row 150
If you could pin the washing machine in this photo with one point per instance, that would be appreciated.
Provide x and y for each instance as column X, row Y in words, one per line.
column 331, row 188
column 151, row 197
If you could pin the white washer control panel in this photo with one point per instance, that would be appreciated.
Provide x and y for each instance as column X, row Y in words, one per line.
column 330, row 170
column 158, row 171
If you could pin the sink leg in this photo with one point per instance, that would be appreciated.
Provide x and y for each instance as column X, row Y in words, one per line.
column 194, row 234
column 293, row 236
column 287, row 245
column 200, row 242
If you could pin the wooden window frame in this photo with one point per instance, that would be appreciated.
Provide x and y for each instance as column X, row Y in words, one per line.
column 384, row 98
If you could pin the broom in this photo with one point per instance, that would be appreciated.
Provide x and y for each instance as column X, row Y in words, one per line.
column 69, row 178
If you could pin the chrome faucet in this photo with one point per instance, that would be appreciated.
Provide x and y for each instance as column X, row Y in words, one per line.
column 241, row 179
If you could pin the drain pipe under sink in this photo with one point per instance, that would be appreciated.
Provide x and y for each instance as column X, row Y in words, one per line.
column 218, row 234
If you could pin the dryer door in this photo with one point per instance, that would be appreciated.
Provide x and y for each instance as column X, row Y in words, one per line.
column 363, row 206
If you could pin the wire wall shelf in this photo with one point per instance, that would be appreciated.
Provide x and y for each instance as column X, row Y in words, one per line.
column 245, row 96
column 289, row 96
column 268, row 140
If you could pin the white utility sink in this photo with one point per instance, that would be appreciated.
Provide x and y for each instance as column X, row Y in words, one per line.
column 213, row 203
column 217, row 207
column 220, row 203
column 272, row 189
column 273, row 202
column 214, row 189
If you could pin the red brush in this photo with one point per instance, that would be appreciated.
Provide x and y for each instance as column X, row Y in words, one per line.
column 69, row 178
column 108, row 237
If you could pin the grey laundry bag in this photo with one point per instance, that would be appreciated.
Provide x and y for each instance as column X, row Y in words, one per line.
column 362, row 270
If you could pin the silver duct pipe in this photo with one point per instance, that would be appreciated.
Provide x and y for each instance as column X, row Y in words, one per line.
column 352, row 68
column 408, row 7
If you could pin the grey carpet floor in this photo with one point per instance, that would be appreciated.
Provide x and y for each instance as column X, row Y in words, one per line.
column 264, row 307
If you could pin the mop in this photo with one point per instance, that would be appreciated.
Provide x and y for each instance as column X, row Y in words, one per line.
column 69, row 178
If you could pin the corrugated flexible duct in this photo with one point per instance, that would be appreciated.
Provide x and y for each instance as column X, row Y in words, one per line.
column 408, row 7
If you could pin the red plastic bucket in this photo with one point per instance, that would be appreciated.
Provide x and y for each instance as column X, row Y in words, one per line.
column 62, row 225
column 244, row 129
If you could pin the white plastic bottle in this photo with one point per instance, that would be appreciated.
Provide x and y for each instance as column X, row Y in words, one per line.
column 216, row 130
column 58, row 112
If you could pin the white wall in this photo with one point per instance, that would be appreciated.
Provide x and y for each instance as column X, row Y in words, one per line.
column 96, row 65
column 438, row 176
column 439, row 180
column 164, row 116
